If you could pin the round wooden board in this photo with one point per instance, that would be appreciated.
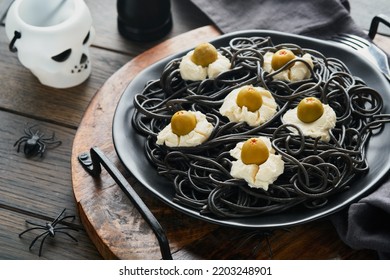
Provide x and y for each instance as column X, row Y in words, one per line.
column 113, row 224
column 119, row 231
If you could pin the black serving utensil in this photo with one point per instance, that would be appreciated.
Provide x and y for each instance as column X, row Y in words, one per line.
column 92, row 162
column 366, row 48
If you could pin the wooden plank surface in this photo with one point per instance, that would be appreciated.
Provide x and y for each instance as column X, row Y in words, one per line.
column 38, row 184
column 60, row 248
column 185, row 17
column 39, row 188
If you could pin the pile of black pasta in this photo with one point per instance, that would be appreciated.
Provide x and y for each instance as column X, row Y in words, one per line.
column 314, row 170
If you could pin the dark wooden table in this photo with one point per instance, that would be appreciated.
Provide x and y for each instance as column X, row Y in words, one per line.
column 38, row 189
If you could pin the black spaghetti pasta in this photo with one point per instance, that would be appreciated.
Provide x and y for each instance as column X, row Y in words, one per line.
column 314, row 170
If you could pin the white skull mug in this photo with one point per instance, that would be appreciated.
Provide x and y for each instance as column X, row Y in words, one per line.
column 52, row 39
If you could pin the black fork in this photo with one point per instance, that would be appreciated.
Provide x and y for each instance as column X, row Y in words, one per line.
column 366, row 48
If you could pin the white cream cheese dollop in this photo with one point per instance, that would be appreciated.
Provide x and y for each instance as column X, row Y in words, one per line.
column 257, row 176
column 319, row 128
column 235, row 113
column 298, row 72
column 193, row 72
column 197, row 136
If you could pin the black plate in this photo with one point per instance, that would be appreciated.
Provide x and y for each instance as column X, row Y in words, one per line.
column 130, row 146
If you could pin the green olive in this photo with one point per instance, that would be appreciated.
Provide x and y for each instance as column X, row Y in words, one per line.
column 254, row 151
column 183, row 122
column 249, row 97
column 204, row 54
column 310, row 109
column 281, row 57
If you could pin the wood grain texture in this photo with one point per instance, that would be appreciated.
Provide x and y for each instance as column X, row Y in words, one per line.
column 185, row 16
column 61, row 247
column 118, row 230
column 38, row 189
column 36, row 184
column 95, row 198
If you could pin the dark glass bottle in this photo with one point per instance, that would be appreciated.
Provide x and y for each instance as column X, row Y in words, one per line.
column 144, row 20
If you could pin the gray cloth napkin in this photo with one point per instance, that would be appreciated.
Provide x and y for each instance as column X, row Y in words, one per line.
column 316, row 18
column 366, row 223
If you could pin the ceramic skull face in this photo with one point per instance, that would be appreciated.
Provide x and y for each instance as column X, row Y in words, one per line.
column 54, row 39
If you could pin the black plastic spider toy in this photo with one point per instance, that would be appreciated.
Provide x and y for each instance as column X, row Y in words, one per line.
column 50, row 229
column 34, row 142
